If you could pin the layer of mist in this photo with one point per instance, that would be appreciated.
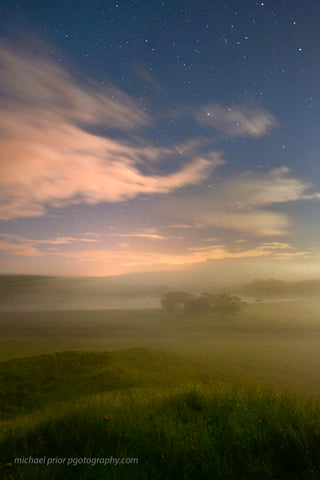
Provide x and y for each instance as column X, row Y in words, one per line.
column 28, row 292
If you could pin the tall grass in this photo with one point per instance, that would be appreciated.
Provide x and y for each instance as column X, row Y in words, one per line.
column 192, row 431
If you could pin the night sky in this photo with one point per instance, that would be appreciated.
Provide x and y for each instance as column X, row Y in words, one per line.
column 160, row 136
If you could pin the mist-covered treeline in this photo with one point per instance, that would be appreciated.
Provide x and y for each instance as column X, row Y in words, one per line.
column 279, row 288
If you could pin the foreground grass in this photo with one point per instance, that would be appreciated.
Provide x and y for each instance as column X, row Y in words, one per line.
column 187, row 433
column 157, row 413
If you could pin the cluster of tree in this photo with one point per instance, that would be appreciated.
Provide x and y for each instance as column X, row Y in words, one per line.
column 195, row 305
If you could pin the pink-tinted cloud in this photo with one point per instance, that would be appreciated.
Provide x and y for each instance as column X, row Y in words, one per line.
column 30, row 80
column 48, row 157
column 16, row 245
column 186, row 225
column 143, row 234
column 20, row 249
column 129, row 259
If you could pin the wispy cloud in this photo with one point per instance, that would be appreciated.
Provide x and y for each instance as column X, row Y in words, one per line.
column 246, row 202
column 128, row 259
column 212, row 212
column 11, row 244
column 31, row 81
column 259, row 223
column 147, row 77
column 252, row 190
column 49, row 157
column 237, row 121
column 147, row 233
column 209, row 239
column 186, row 225
column 22, row 248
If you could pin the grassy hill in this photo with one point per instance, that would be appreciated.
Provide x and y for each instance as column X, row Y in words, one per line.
column 38, row 381
column 76, row 410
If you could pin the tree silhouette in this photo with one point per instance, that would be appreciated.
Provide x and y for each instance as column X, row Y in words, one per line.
column 222, row 305
column 197, row 306
column 175, row 301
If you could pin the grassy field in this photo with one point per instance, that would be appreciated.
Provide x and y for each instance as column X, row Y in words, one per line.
column 277, row 343
column 176, row 418
column 188, row 398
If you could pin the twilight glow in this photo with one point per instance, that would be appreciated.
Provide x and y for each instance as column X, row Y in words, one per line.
column 160, row 137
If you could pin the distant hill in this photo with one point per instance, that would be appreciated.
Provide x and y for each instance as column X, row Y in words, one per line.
column 106, row 285
column 45, row 292
column 280, row 288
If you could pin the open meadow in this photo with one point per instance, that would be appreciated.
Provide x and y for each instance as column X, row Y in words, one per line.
column 275, row 342
column 144, row 394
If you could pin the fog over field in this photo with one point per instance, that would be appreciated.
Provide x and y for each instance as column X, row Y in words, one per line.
column 272, row 338
column 53, row 293
column 27, row 292
column 35, row 292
